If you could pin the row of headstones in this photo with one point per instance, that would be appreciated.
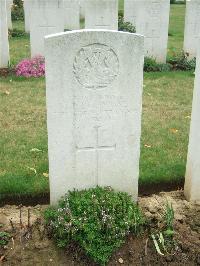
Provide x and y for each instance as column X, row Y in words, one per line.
column 94, row 82
column 151, row 18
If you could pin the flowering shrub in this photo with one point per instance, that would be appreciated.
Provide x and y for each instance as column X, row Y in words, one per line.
column 97, row 219
column 34, row 67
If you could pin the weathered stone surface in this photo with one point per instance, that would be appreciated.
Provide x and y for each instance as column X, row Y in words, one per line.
column 192, row 178
column 47, row 17
column 9, row 4
column 27, row 14
column 72, row 14
column 151, row 19
column 192, row 27
column 82, row 8
column 4, row 45
column 101, row 14
column 94, row 101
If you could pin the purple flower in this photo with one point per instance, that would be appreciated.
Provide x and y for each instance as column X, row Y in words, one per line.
column 34, row 67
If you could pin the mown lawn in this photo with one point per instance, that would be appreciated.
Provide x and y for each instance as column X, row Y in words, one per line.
column 176, row 29
column 165, row 122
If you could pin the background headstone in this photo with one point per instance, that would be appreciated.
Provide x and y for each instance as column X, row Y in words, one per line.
column 27, row 14
column 151, row 19
column 101, row 14
column 4, row 45
column 192, row 27
column 82, row 8
column 47, row 17
column 94, row 103
column 9, row 4
column 192, row 179
column 131, row 9
column 72, row 14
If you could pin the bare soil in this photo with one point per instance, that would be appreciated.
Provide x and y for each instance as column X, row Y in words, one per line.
column 30, row 244
column 4, row 72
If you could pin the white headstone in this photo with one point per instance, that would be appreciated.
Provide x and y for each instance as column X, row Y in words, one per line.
column 101, row 14
column 94, row 103
column 72, row 14
column 4, row 45
column 27, row 14
column 131, row 8
column 9, row 4
column 192, row 179
column 151, row 19
column 192, row 27
column 82, row 8
column 47, row 17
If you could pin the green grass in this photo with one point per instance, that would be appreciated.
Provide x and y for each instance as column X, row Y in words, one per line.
column 19, row 47
column 166, row 116
column 23, row 127
column 176, row 29
column 166, row 107
column 165, row 122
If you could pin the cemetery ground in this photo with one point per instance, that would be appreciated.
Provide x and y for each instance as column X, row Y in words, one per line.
column 167, row 100
column 31, row 242
column 165, row 124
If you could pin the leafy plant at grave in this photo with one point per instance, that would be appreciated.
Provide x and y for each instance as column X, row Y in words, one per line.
column 125, row 26
column 169, row 219
column 177, row 2
column 182, row 62
column 97, row 219
column 34, row 67
column 17, row 10
column 163, row 240
column 150, row 65
column 4, row 238
column 17, row 33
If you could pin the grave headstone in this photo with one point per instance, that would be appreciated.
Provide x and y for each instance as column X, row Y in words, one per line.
column 4, row 45
column 94, row 102
column 47, row 17
column 82, row 8
column 192, row 178
column 9, row 4
column 151, row 19
column 192, row 27
column 101, row 14
column 27, row 14
column 131, row 9
column 72, row 14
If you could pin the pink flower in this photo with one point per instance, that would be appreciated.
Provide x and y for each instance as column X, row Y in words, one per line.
column 34, row 67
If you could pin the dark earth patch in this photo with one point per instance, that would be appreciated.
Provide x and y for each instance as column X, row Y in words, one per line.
column 31, row 245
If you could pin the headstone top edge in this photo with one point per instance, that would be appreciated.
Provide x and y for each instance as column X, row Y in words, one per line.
column 62, row 34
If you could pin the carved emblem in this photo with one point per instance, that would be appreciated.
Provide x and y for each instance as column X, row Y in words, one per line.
column 96, row 66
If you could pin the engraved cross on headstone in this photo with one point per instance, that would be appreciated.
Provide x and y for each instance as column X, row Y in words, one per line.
column 96, row 148
column 46, row 27
column 100, row 22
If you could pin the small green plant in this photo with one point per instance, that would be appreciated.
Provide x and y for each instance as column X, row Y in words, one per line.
column 17, row 10
column 17, row 33
column 97, row 219
column 125, row 26
column 177, row 62
column 4, row 238
column 163, row 241
column 182, row 62
column 150, row 65
column 169, row 219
